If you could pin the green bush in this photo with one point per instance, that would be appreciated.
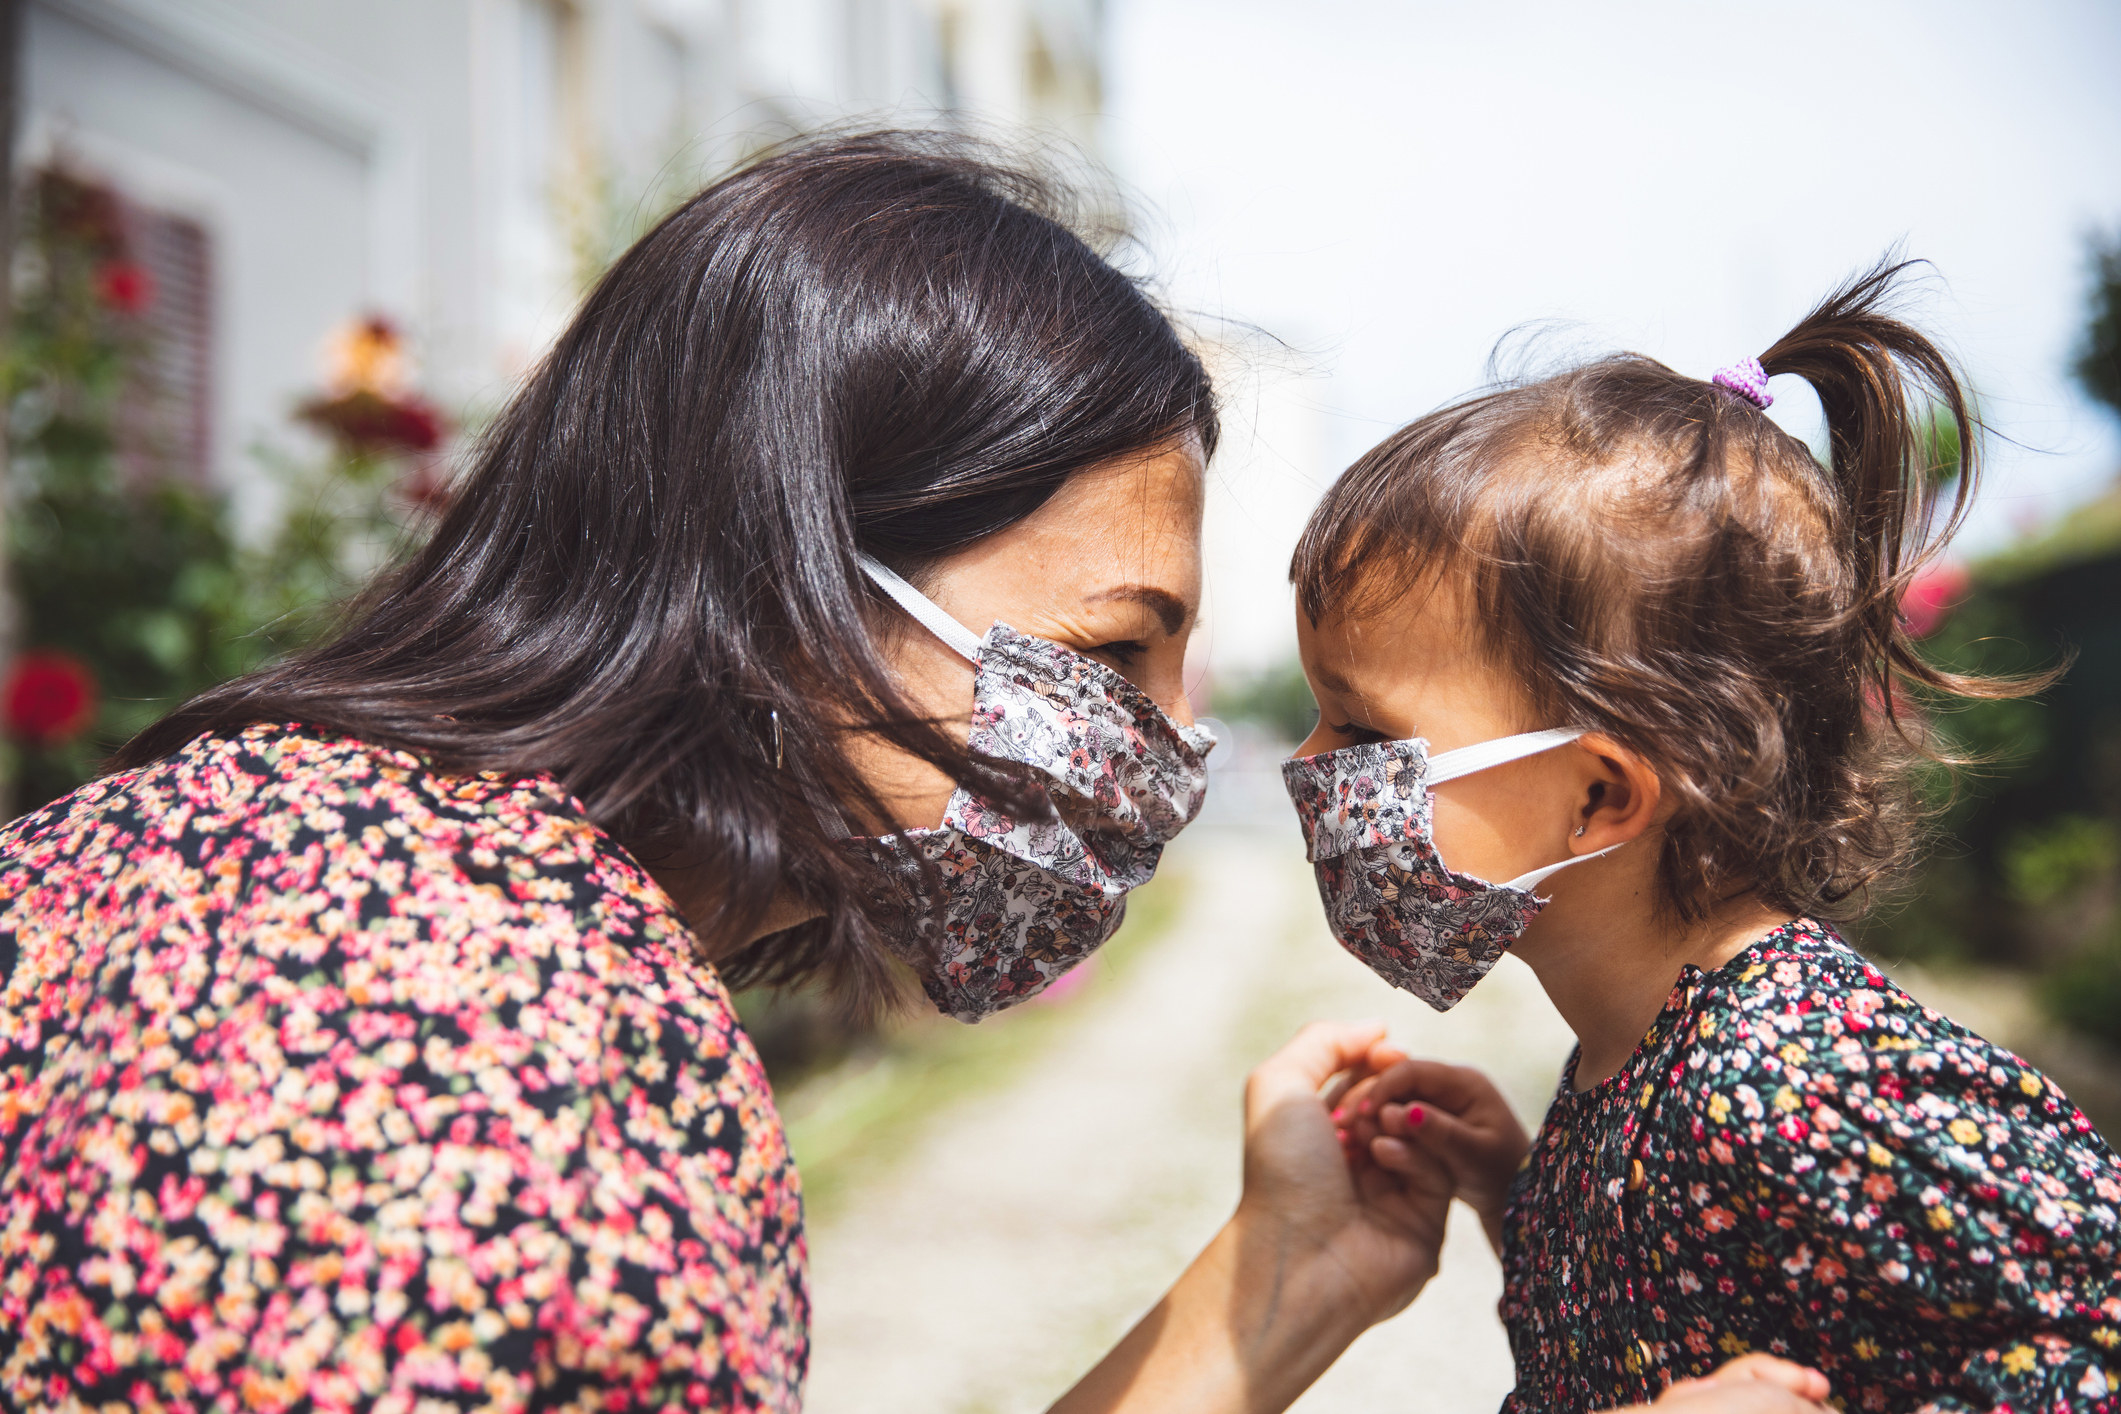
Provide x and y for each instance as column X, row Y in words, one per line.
column 2046, row 863
column 1277, row 700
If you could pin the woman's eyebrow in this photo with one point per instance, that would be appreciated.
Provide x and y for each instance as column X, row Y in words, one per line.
column 1169, row 609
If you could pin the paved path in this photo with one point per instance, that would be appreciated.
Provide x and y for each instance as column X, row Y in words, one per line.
column 1030, row 1225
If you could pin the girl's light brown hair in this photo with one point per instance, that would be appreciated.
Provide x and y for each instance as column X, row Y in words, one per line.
column 1652, row 558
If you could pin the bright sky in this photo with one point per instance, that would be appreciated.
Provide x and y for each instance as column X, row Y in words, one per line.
column 1390, row 187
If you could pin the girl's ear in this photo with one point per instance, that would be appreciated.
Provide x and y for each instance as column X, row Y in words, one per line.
column 1620, row 800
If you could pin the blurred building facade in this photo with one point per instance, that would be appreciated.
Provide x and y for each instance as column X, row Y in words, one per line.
column 463, row 166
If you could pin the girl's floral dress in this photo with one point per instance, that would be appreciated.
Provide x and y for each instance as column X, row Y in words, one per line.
column 331, row 1083
column 1801, row 1159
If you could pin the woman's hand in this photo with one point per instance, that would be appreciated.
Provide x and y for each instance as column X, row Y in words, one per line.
column 1323, row 1245
column 1376, row 1229
column 1415, row 1115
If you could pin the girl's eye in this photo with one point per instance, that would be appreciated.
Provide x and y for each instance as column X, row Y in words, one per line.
column 1356, row 732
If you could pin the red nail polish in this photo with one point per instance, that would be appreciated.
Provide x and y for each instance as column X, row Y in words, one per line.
column 1415, row 1115
column 1340, row 1117
column 1364, row 1107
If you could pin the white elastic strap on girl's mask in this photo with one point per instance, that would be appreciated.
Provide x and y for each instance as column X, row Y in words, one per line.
column 961, row 640
column 1481, row 755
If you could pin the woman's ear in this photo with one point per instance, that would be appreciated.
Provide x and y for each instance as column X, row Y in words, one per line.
column 1620, row 800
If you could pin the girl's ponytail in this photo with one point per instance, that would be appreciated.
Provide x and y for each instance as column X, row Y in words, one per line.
column 1899, row 433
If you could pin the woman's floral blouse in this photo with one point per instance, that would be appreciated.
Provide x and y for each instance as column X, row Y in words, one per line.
column 1801, row 1159
column 330, row 1083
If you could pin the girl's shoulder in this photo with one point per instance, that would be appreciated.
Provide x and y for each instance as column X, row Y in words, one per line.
column 1805, row 976
column 1801, row 1041
column 1802, row 987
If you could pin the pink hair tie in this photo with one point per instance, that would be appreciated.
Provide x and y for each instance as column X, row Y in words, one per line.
column 1748, row 380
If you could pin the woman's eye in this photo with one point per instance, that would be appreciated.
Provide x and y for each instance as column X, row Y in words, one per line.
column 1123, row 654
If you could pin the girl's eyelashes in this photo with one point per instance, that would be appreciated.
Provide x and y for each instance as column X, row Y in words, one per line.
column 1356, row 731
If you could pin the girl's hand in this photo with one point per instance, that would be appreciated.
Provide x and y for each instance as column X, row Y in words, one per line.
column 1379, row 1228
column 1416, row 1114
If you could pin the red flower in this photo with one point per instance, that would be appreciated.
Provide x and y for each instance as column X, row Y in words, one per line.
column 50, row 698
column 368, row 422
column 1930, row 599
column 124, row 286
column 427, row 488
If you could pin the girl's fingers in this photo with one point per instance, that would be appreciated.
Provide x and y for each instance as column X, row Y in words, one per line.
column 1428, row 1139
column 1457, row 1088
column 1429, row 1135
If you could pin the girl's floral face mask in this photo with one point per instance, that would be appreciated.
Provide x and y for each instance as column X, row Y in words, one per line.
column 1368, row 823
column 1021, row 902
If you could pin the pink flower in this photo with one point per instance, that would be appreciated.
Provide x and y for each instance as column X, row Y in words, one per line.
column 1932, row 595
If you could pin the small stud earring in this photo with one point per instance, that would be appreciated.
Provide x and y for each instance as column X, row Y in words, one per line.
column 1579, row 831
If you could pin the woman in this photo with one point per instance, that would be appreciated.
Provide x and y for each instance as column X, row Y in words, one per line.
column 366, row 1040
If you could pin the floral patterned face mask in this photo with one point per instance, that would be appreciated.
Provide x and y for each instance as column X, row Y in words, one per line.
column 1024, row 901
column 1367, row 818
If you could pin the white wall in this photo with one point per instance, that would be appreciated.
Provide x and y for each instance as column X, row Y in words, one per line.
column 457, row 163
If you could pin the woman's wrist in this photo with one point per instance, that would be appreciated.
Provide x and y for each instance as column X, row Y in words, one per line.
column 1294, row 1305
column 1254, row 1321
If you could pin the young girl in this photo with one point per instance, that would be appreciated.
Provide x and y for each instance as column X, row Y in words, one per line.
column 1618, row 619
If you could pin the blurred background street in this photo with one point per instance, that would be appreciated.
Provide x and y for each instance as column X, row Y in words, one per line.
column 276, row 262
column 989, row 1264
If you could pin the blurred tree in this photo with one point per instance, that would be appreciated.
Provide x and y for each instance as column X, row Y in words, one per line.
column 2098, row 365
column 132, row 592
column 1277, row 699
column 2026, row 869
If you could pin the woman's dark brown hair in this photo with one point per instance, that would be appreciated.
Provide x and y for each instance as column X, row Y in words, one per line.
column 887, row 343
column 1653, row 558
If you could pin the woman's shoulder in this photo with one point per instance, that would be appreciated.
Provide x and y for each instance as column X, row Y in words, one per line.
column 255, row 808
column 456, row 993
column 271, row 776
column 290, row 843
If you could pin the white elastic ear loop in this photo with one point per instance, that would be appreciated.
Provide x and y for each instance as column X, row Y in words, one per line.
column 961, row 640
column 1531, row 881
column 1481, row 755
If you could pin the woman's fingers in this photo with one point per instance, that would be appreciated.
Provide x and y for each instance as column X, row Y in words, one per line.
column 1320, row 1051
column 1382, row 1056
column 1332, row 1096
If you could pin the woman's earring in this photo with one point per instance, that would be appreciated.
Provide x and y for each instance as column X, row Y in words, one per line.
column 776, row 716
